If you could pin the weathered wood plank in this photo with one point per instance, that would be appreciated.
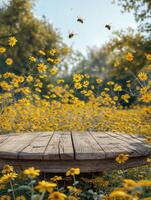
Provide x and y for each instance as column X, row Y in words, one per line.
column 3, row 138
column 60, row 147
column 15, row 143
column 86, row 147
column 86, row 166
column 138, row 146
column 111, row 145
column 36, row 149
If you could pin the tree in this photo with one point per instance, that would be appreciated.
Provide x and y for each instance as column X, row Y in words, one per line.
column 142, row 12
column 33, row 34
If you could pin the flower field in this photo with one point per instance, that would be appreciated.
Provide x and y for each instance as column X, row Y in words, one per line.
column 48, row 83
column 37, row 102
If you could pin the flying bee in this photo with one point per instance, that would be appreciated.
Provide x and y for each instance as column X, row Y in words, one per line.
column 80, row 19
column 108, row 26
column 71, row 35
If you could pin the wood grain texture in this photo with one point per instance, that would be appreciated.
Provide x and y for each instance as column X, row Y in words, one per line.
column 60, row 147
column 86, row 166
column 137, row 146
column 14, row 144
column 35, row 150
column 86, row 147
column 57, row 151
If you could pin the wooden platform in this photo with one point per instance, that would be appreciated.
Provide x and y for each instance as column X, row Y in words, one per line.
column 58, row 151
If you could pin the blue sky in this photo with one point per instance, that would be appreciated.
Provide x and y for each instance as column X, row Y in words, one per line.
column 63, row 13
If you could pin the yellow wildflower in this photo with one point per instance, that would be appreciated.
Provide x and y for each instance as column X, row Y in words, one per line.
column 2, row 50
column 41, row 52
column 44, row 186
column 7, row 169
column 32, row 172
column 5, row 197
column 73, row 171
column 32, row 59
column 9, row 61
column 54, row 71
column 122, row 158
column 148, row 57
column 56, row 178
column 142, row 76
column 41, row 67
column 117, row 88
column 29, row 78
column 52, row 52
column 20, row 197
column 12, row 41
column 129, row 57
column 57, row 196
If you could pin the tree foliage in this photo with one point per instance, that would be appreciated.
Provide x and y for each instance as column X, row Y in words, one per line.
column 142, row 12
column 33, row 34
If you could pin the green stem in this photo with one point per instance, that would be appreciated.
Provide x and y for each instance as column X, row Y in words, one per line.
column 12, row 188
column 42, row 196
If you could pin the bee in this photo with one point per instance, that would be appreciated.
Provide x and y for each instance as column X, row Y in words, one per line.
column 71, row 35
column 108, row 27
column 80, row 20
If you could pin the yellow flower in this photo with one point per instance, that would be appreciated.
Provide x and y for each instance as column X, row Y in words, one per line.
column 99, row 80
column 119, row 194
column 9, row 61
column 52, row 52
column 117, row 88
column 41, row 67
column 50, row 60
column 146, row 98
column 144, row 89
column 129, row 57
column 29, row 78
column 44, row 186
column 148, row 57
column 149, row 67
column 60, row 81
column 41, row 52
column 7, row 169
column 8, row 177
column 5, row 197
column 54, row 71
column 148, row 139
column 20, row 197
column 129, row 184
column 144, row 183
column 77, row 77
column 73, row 189
column 85, row 83
column 57, row 196
column 73, row 171
column 122, row 158
column 57, row 61
column 56, row 178
column 142, row 76
column 125, row 97
column 32, row 59
column 2, row 50
column 32, row 172
column 12, row 41
column 78, row 85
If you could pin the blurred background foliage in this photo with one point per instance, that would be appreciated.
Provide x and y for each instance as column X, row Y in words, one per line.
column 107, row 62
